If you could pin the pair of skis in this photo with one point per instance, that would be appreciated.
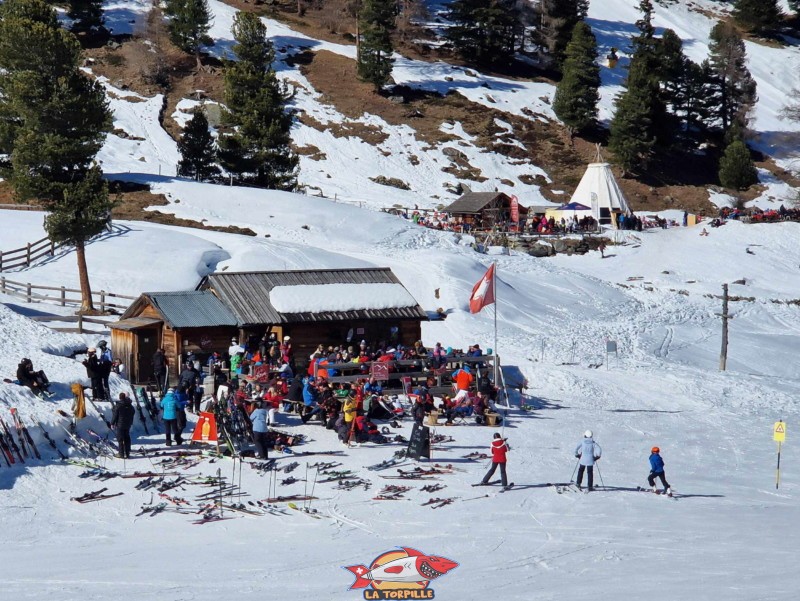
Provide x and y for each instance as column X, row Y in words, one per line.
column 97, row 495
column 9, row 446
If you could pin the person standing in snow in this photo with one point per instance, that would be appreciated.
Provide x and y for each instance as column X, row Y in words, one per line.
column 95, row 374
column 463, row 378
column 657, row 471
column 259, row 420
column 499, row 450
column 122, row 420
column 587, row 452
column 160, row 370
column 105, row 367
column 169, row 408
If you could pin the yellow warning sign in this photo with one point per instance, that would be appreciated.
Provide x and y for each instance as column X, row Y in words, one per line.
column 779, row 432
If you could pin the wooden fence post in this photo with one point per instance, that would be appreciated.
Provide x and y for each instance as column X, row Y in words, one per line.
column 102, row 301
column 63, row 297
column 28, row 258
column 28, row 295
column 1, row 260
column 80, row 323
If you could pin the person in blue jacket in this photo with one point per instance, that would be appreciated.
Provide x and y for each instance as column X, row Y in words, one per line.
column 169, row 407
column 310, row 400
column 259, row 419
column 587, row 452
column 657, row 471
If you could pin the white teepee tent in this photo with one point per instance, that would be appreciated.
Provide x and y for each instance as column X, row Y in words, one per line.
column 598, row 189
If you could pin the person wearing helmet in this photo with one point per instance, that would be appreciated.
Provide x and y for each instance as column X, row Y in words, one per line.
column 657, row 471
column 587, row 452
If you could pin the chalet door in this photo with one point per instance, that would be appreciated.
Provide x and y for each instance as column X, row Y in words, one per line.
column 146, row 347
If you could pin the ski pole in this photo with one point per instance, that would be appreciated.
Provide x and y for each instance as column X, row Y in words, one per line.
column 313, row 486
column 572, row 477
column 599, row 473
column 305, row 488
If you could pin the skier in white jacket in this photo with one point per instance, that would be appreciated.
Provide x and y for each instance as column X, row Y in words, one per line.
column 587, row 452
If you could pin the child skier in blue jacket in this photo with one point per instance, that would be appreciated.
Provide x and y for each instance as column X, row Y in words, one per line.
column 657, row 471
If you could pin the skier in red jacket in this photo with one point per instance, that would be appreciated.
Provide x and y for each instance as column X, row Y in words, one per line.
column 499, row 449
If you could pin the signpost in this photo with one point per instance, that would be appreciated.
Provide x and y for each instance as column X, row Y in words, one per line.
column 779, row 436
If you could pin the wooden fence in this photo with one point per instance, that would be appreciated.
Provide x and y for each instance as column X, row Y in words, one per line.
column 80, row 320
column 23, row 257
column 104, row 301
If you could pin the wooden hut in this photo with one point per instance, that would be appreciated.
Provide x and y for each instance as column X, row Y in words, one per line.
column 321, row 306
column 484, row 211
column 179, row 322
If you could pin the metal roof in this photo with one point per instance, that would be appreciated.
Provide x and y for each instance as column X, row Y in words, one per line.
column 185, row 309
column 134, row 323
column 472, row 202
column 247, row 294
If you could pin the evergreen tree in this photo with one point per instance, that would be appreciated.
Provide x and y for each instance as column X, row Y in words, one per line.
column 577, row 94
column 736, row 169
column 197, row 150
column 189, row 22
column 258, row 149
column 731, row 90
column 556, row 24
column 53, row 120
column 375, row 26
column 631, row 138
column 757, row 15
column 483, row 31
column 86, row 15
column 794, row 5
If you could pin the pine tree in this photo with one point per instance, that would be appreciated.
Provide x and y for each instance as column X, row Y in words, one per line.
column 189, row 22
column 732, row 90
column 375, row 26
column 557, row 21
column 484, row 31
column 577, row 94
column 631, row 138
column 54, row 120
column 757, row 15
column 86, row 15
column 258, row 149
column 197, row 150
column 736, row 168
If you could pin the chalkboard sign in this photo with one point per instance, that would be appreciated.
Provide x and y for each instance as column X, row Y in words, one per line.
column 420, row 443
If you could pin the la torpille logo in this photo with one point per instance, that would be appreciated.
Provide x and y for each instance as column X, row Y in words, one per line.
column 403, row 574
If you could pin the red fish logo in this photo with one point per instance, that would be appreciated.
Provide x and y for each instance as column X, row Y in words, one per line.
column 406, row 573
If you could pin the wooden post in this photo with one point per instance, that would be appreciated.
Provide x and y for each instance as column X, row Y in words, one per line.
column 102, row 301
column 63, row 297
column 3, row 284
column 80, row 323
column 723, row 357
column 28, row 296
column 1, row 260
column 28, row 257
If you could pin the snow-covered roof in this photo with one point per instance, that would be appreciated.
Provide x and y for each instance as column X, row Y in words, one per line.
column 277, row 297
column 339, row 297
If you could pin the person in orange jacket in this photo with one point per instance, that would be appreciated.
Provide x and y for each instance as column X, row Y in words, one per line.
column 463, row 378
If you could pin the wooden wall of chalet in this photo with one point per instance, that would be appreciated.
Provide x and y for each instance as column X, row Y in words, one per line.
column 307, row 336
column 204, row 341
column 123, row 343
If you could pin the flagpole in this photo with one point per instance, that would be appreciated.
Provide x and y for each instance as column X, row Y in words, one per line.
column 494, row 290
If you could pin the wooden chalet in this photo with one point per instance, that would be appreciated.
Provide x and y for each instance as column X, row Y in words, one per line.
column 252, row 298
column 483, row 211
column 322, row 306
column 185, row 322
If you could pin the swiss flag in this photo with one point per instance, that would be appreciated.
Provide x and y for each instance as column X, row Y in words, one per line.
column 482, row 292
